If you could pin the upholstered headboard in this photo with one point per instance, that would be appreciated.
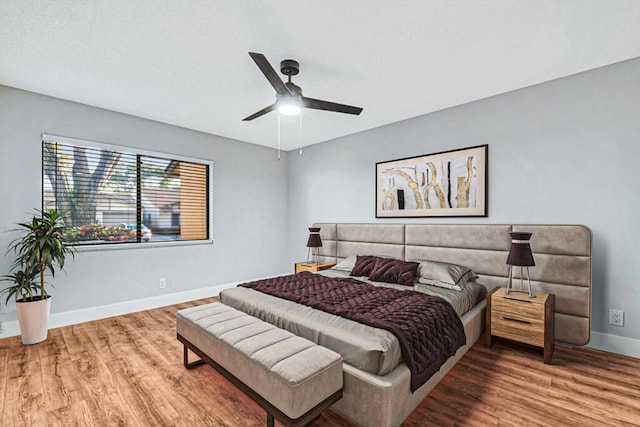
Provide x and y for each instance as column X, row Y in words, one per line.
column 562, row 255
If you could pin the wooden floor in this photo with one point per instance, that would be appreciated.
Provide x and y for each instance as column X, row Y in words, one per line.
column 127, row 371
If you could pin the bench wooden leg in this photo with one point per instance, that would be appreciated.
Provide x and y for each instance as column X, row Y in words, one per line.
column 269, row 420
column 186, row 360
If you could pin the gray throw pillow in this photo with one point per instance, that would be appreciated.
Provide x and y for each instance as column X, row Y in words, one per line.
column 346, row 264
column 444, row 274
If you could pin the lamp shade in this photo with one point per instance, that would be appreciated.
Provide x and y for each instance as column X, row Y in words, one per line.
column 314, row 238
column 520, row 252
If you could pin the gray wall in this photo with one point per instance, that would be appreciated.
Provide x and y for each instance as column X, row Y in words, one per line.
column 561, row 152
column 249, row 203
column 566, row 151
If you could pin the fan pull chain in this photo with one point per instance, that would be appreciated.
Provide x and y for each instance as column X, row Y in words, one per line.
column 278, row 136
column 300, row 131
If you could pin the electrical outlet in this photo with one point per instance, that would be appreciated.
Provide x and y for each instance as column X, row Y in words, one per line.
column 616, row 317
column 162, row 284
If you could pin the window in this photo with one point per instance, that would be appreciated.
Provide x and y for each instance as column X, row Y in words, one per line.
column 114, row 195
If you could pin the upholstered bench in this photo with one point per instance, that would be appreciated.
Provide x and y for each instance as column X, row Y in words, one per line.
column 292, row 378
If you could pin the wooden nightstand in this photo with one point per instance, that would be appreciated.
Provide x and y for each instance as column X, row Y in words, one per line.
column 520, row 318
column 313, row 266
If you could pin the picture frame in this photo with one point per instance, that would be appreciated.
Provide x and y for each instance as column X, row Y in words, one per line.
column 445, row 184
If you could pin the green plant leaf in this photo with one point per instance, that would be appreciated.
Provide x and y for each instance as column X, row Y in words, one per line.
column 41, row 248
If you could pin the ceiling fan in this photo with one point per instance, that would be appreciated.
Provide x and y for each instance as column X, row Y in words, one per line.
column 289, row 99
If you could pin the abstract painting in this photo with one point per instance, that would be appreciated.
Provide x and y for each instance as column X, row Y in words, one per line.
column 451, row 183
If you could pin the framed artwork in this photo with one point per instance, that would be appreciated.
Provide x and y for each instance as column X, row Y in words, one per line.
column 447, row 184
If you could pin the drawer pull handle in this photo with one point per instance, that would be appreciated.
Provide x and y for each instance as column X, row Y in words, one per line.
column 516, row 320
column 517, row 299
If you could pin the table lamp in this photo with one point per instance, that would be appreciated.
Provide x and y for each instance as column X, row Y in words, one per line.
column 313, row 244
column 520, row 256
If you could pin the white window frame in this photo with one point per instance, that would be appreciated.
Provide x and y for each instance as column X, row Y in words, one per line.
column 142, row 152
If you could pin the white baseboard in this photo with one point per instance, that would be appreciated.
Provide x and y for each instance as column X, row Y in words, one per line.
column 56, row 320
column 615, row 344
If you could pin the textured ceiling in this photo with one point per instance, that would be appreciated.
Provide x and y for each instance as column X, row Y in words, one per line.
column 186, row 62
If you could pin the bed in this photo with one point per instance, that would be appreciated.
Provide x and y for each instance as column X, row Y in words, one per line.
column 382, row 396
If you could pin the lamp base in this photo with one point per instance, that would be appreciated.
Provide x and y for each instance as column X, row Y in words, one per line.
column 312, row 256
column 510, row 282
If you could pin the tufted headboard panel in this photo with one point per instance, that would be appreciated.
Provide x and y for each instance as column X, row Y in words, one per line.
column 562, row 255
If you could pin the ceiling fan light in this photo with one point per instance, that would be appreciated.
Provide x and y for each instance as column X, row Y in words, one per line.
column 289, row 110
column 289, row 106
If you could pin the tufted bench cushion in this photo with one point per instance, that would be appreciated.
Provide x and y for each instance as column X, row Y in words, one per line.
column 291, row 373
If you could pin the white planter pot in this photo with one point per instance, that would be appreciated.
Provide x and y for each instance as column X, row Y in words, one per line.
column 34, row 320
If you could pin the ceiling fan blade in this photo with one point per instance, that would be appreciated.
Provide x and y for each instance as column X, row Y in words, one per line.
column 318, row 104
column 262, row 112
column 269, row 73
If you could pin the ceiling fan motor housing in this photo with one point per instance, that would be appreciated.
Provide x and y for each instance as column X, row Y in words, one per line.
column 294, row 88
column 289, row 67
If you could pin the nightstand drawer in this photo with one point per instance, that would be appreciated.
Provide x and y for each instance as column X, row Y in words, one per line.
column 516, row 328
column 518, row 308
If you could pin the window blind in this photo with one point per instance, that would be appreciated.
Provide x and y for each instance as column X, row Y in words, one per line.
column 120, row 196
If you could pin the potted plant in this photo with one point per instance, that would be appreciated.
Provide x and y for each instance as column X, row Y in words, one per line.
column 41, row 249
